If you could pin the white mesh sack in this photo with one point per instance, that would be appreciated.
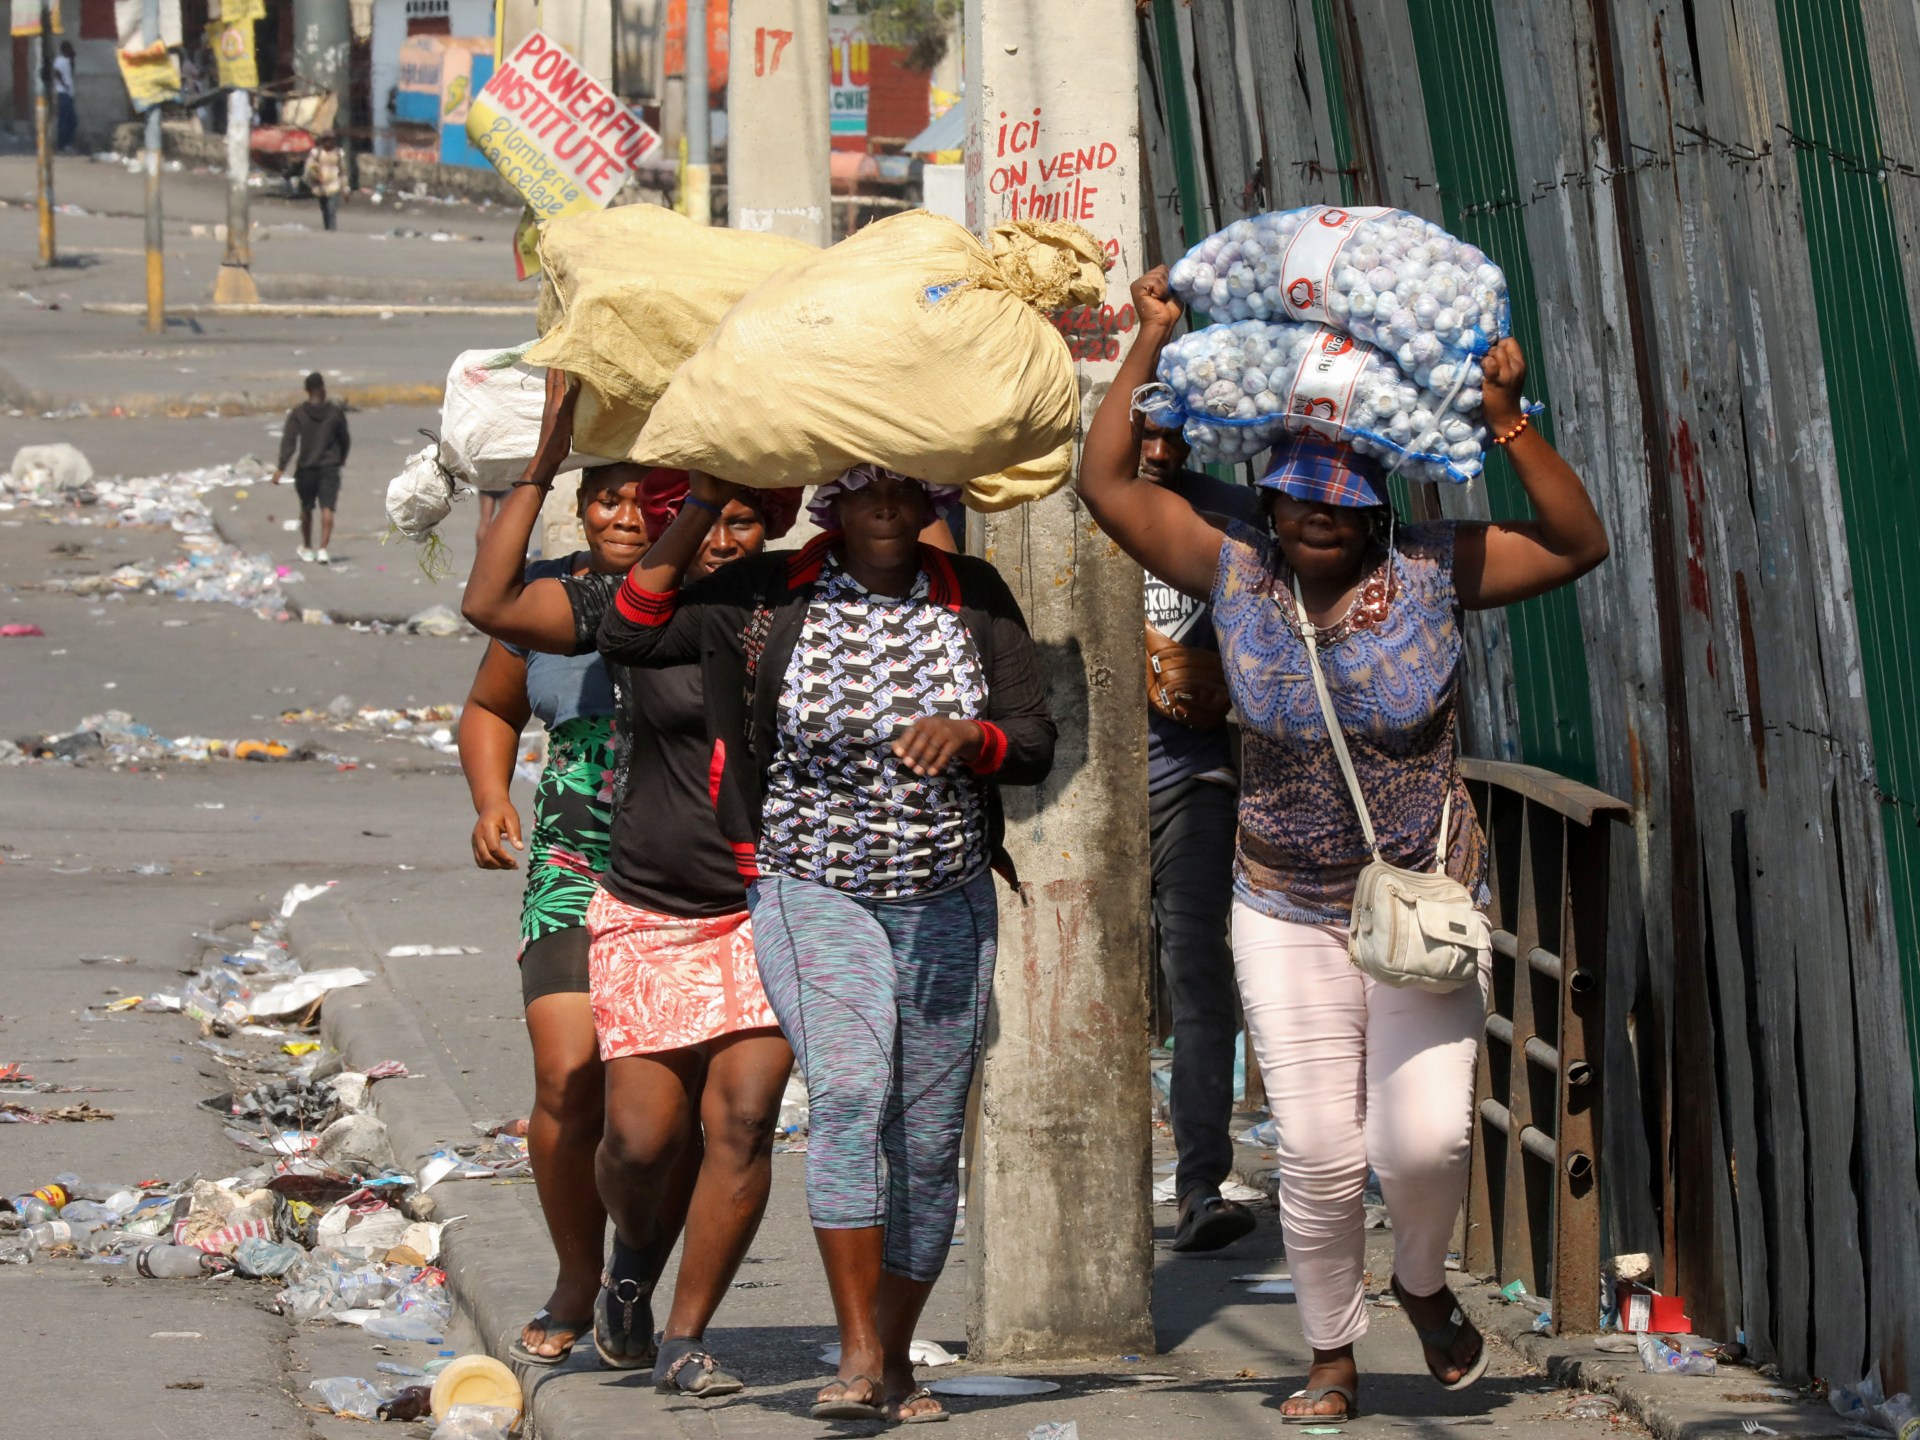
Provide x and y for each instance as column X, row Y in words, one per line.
column 1235, row 389
column 1385, row 276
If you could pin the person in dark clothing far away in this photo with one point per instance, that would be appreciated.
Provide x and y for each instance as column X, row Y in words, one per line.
column 317, row 432
column 1193, row 792
column 66, row 106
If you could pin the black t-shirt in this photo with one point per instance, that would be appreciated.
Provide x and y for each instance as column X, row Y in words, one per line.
column 668, row 853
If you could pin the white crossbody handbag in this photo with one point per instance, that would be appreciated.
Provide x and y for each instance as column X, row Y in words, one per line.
column 1409, row 927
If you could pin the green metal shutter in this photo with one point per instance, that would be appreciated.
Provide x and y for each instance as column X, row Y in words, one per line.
column 1873, row 394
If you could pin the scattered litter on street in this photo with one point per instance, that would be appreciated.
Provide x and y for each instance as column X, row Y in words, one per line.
column 1057, row 1430
column 116, row 738
column 1593, row 1407
column 1659, row 1358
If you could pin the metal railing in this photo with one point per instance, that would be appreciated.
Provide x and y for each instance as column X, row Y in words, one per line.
column 1533, row 1204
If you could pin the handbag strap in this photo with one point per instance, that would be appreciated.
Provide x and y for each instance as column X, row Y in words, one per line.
column 1310, row 634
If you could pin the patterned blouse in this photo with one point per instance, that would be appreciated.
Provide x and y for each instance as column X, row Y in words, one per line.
column 840, row 809
column 1393, row 668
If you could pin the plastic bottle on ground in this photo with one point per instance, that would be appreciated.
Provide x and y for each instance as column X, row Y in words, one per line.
column 170, row 1262
column 61, row 1232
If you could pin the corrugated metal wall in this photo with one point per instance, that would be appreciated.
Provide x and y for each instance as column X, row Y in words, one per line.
column 1708, row 213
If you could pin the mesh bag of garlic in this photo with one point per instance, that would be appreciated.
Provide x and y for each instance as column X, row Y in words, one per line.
column 1234, row 389
column 1385, row 276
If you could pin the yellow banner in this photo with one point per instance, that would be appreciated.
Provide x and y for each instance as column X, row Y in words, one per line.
column 152, row 76
column 25, row 17
column 232, row 46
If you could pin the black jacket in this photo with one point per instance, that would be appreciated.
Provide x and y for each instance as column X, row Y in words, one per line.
column 742, row 623
column 318, row 431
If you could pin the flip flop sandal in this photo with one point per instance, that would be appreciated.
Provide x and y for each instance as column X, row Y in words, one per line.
column 923, row 1417
column 1213, row 1223
column 546, row 1321
column 1443, row 1338
column 613, row 1322
column 844, row 1408
column 678, row 1356
column 1314, row 1396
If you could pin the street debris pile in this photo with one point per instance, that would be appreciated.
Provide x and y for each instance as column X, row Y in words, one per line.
column 116, row 738
column 320, row 1210
column 58, row 484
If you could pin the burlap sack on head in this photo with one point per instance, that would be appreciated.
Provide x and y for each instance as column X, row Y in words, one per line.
column 628, row 295
column 909, row 344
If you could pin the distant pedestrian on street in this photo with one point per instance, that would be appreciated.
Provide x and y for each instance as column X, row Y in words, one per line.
column 1193, row 791
column 325, row 174
column 67, row 111
column 865, row 699
column 1338, row 608
column 694, row 1063
column 317, row 433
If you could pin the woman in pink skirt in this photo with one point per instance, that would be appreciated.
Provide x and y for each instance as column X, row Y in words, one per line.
column 694, row 1057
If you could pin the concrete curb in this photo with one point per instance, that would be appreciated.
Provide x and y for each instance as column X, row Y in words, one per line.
column 498, row 1260
column 1673, row 1407
column 272, row 401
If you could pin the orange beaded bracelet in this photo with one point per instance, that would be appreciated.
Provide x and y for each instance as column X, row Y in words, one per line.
column 1515, row 433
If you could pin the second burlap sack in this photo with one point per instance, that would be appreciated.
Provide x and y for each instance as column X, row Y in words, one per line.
column 909, row 344
column 629, row 294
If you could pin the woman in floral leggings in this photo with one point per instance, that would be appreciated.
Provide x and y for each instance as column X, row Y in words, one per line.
column 565, row 852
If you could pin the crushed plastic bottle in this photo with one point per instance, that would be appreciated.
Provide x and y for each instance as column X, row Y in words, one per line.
column 1659, row 1358
column 481, row 1422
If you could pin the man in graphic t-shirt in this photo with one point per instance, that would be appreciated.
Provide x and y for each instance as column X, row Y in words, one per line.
column 1192, row 803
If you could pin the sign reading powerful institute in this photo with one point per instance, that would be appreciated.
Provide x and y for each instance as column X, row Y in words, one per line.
column 560, row 138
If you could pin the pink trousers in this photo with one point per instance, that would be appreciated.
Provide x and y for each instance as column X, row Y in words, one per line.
column 1358, row 1073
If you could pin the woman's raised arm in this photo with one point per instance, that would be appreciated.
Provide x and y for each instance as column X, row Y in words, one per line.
column 1507, row 561
column 1151, row 523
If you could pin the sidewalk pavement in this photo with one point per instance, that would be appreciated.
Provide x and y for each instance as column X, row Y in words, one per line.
column 1227, row 1356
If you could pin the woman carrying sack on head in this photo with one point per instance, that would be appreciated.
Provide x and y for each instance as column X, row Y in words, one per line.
column 695, row 1064
column 865, row 698
column 565, row 850
column 1365, row 1008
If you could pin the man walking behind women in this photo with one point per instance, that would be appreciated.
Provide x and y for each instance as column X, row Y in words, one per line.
column 315, row 438
column 1359, row 1074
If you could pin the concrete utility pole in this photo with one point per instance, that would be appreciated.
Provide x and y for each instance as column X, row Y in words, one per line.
column 43, row 135
column 234, row 284
column 696, row 196
column 1059, row 1207
column 322, row 47
column 778, row 171
column 156, row 235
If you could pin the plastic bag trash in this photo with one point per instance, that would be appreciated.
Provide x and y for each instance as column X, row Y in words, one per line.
column 299, row 895
column 1659, row 1358
column 436, row 621
column 1593, row 1407
column 261, row 1258
column 1388, row 277
column 1271, row 1287
column 992, row 1385
column 296, row 995
column 418, row 499
column 356, row 1143
column 1055, row 1430
column 1263, row 1136
column 795, row 1107
column 909, row 344
column 60, row 466
column 1234, row 390
column 401, row 952
column 476, row 1422
column 348, row 1395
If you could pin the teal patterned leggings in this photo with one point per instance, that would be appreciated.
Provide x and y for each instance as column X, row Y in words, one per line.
column 572, row 827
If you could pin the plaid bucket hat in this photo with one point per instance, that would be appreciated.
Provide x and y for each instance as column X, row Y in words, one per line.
column 1311, row 467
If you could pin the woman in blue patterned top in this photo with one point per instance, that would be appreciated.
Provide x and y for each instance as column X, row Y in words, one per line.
column 1360, row 1075
column 866, row 697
